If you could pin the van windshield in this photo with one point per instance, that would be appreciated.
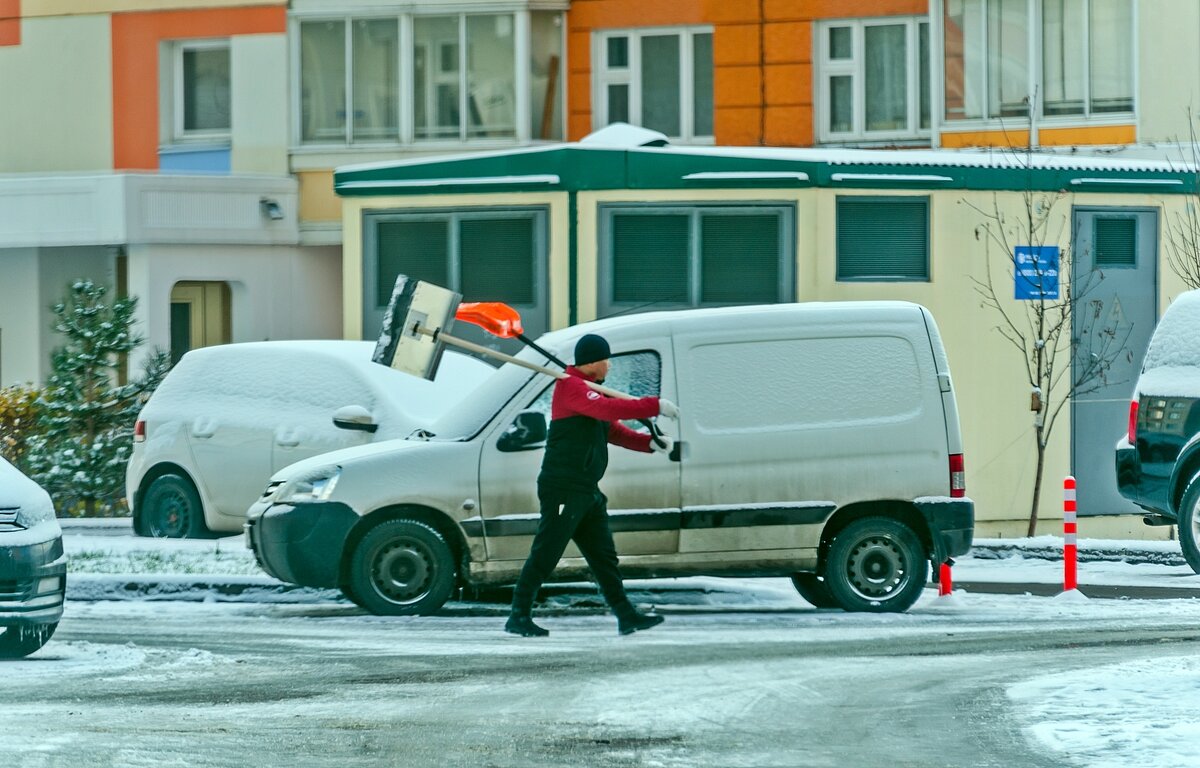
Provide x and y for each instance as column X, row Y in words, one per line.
column 1176, row 340
column 464, row 420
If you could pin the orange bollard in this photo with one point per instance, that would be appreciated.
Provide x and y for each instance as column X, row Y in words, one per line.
column 1070, row 574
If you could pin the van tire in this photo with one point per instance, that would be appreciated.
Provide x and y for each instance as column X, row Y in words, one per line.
column 401, row 568
column 814, row 589
column 1189, row 523
column 876, row 564
column 171, row 509
column 20, row 641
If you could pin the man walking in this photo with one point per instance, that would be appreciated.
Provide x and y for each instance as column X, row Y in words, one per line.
column 582, row 423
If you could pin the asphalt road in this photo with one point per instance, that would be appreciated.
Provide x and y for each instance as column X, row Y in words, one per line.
column 145, row 684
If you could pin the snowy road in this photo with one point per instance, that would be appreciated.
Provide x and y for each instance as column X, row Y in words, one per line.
column 971, row 680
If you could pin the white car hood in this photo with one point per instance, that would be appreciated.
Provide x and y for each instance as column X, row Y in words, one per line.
column 35, row 517
column 345, row 455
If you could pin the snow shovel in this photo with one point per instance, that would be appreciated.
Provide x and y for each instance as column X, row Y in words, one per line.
column 416, row 325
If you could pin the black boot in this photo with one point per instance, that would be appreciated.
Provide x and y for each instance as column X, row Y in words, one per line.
column 629, row 620
column 522, row 624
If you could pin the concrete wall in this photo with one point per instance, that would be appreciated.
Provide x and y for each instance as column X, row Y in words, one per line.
column 20, row 316
column 259, row 73
column 277, row 292
column 56, row 96
column 1168, row 38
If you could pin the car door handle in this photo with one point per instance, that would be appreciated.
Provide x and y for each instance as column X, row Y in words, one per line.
column 287, row 443
column 203, row 435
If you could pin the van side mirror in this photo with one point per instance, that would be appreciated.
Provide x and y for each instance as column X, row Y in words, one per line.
column 354, row 417
column 526, row 433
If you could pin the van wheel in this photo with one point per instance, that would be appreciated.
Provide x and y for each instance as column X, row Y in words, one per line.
column 19, row 642
column 171, row 509
column 1189, row 523
column 876, row 564
column 814, row 589
column 401, row 568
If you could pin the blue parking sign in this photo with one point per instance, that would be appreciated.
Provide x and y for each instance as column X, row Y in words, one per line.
column 1035, row 271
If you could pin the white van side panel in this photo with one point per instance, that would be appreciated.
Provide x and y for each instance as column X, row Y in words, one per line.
column 841, row 409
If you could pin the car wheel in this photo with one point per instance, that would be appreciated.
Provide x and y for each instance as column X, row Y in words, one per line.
column 19, row 642
column 814, row 589
column 401, row 568
column 1189, row 523
column 171, row 509
column 876, row 564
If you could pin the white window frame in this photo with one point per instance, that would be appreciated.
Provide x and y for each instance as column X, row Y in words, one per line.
column 407, row 134
column 855, row 67
column 179, row 134
column 1034, row 11
column 602, row 77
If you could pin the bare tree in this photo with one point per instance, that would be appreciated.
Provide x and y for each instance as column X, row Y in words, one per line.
column 1183, row 228
column 1041, row 328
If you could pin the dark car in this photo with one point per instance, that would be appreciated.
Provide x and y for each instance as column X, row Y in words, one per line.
column 33, row 568
column 1158, row 461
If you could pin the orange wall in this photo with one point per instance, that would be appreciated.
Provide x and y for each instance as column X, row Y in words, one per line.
column 135, row 41
column 762, row 58
column 10, row 22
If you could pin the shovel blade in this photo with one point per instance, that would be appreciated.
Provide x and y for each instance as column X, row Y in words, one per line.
column 415, row 303
column 496, row 318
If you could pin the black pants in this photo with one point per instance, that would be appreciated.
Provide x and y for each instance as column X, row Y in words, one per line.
column 566, row 516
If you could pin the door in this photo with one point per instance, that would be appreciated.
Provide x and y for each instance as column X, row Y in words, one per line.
column 486, row 255
column 199, row 316
column 642, row 489
column 1114, row 272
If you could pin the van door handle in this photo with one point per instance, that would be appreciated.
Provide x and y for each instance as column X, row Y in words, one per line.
column 676, row 453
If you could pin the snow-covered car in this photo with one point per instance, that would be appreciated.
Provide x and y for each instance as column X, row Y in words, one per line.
column 225, row 418
column 33, row 568
column 818, row 441
column 1158, row 459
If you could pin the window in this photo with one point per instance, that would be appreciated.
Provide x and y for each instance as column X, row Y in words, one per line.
column 450, row 78
column 873, row 79
column 661, row 256
column 201, row 89
column 1085, row 57
column 634, row 373
column 882, row 238
column 661, row 79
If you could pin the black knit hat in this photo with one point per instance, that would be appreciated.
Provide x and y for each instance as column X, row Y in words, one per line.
column 590, row 349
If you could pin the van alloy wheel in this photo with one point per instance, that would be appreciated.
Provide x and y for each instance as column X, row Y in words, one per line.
column 401, row 567
column 876, row 564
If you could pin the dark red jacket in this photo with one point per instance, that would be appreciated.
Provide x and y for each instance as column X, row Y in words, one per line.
column 582, row 423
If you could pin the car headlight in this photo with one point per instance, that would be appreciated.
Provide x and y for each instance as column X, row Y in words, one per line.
column 316, row 486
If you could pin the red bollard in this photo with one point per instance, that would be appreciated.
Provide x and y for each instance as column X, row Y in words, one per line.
column 945, row 581
column 1069, row 544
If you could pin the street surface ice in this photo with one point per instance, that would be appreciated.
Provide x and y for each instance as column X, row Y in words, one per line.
column 744, row 672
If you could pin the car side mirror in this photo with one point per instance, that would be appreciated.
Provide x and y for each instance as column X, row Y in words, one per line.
column 526, row 433
column 354, row 417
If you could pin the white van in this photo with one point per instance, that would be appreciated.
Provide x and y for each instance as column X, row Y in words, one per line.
column 227, row 417
column 819, row 441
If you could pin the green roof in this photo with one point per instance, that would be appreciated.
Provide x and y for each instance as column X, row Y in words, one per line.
column 579, row 166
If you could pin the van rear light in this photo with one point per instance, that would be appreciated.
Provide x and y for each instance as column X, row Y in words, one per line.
column 958, row 476
column 1133, row 412
column 139, row 431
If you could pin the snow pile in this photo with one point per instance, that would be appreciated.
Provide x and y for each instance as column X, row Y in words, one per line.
column 1134, row 713
column 1172, row 365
